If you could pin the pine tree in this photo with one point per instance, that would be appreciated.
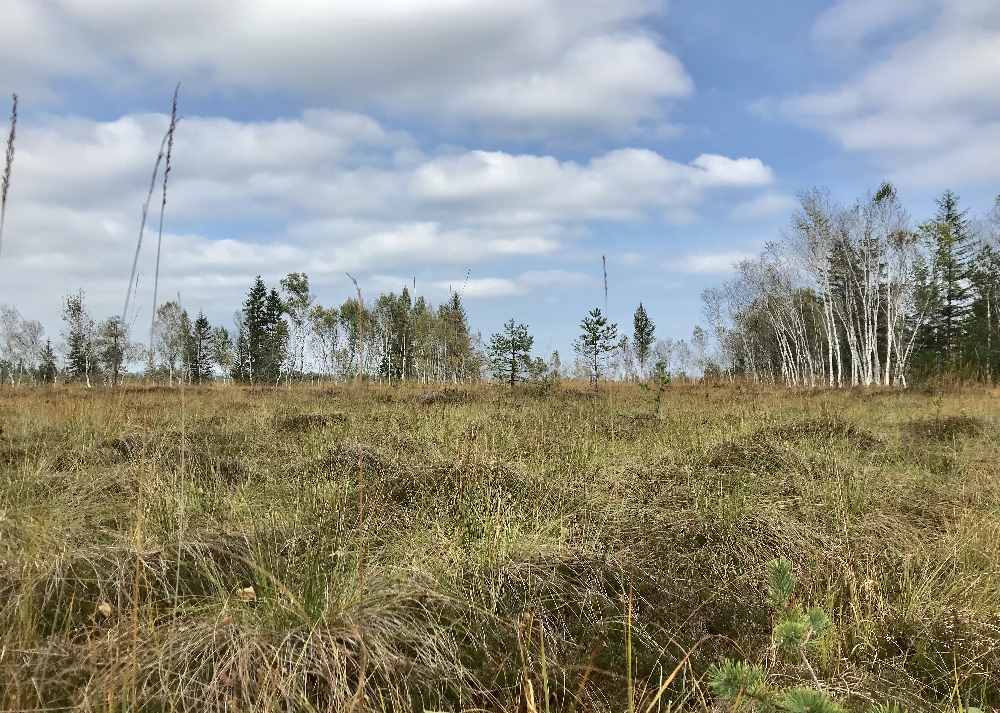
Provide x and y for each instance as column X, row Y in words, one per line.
column 79, row 336
column 598, row 339
column 510, row 353
column 47, row 370
column 642, row 336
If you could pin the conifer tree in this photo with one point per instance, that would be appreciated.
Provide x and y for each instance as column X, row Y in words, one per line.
column 510, row 353
column 79, row 336
column 642, row 336
column 951, row 243
column 597, row 340
column 262, row 336
column 200, row 350
column 47, row 369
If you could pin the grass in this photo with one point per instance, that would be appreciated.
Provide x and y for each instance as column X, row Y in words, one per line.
column 357, row 548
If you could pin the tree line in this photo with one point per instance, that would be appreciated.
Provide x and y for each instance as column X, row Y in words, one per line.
column 856, row 295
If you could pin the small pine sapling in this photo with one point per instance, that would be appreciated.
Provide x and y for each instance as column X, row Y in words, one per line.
column 795, row 631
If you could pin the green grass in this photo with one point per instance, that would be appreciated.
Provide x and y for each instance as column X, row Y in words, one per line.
column 360, row 548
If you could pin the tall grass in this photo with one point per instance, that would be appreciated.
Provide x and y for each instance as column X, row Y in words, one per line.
column 362, row 548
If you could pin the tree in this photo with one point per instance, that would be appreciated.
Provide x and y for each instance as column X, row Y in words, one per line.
column 324, row 325
column 555, row 365
column 262, row 336
column 112, row 348
column 222, row 349
column 78, row 334
column 200, row 350
column 20, row 345
column 598, row 339
column 47, row 369
column 298, row 302
column 510, row 353
column 951, row 243
column 642, row 336
column 170, row 334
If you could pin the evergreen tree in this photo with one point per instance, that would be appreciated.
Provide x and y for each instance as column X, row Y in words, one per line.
column 510, row 353
column 262, row 336
column 597, row 340
column 200, row 366
column 79, row 336
column 277, row 337
column 951, row 243
column 47, row 369
column 642, row 336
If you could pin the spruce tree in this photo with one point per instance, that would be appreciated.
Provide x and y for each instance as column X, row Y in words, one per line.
column 200, row 366
column 510, row 353
column 598, row 339
column 79, row 336
column 642, row 336
column 254, row 335
column 952, row 247
column 47, row 369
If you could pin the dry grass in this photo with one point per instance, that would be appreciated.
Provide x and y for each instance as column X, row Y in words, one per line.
column 363, row 548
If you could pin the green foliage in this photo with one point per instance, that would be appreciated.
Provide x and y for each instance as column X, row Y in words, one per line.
column 510, row 353
column 597, row 339
column 78, row 333
column 807, row 700
column 643, row 335
column 262, row 337
column 794, row 631
column 780, row 583
column 731, row 680
column 48, row 370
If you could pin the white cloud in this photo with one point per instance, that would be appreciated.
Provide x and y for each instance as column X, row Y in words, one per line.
column 322, row 192
column 522, row 62
column 708, row 263
column 525, row 283
column 931, row 97
column 765, row 205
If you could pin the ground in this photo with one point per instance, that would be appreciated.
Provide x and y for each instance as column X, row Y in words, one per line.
column 356, row 547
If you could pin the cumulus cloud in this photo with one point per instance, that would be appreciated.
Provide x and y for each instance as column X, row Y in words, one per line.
column 931, row 97
column 323, row 192
column 523, row 62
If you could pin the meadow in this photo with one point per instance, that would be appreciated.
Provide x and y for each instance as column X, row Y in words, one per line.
column 471, row 548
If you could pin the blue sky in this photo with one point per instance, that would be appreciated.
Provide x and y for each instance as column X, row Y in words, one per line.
column 495, row 148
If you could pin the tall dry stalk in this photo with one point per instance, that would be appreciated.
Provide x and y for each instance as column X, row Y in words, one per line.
column 163, row 207
column 167, row 138
column 142, row 228
column 8, row 165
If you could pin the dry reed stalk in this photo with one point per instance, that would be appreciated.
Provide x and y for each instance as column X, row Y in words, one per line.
column 8, row 165
column 163, row 207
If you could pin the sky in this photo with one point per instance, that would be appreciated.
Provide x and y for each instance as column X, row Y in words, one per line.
column 498, row 149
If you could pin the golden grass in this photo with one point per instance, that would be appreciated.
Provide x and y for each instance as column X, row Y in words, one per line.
column 351, row 547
